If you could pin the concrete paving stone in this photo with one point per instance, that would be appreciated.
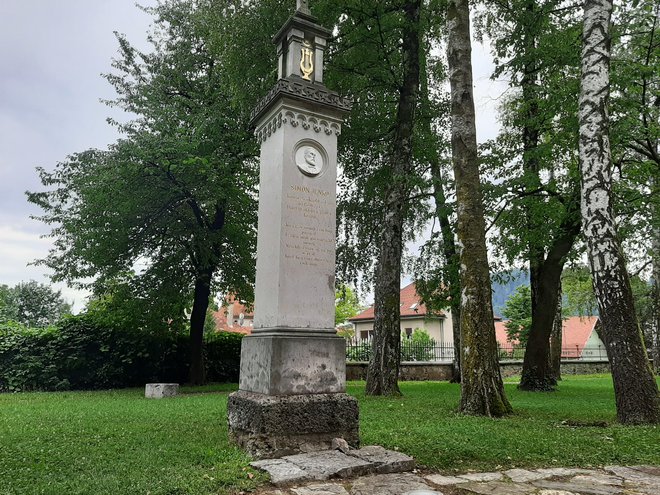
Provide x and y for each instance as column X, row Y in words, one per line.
column 384, row 461
column 583, row 488
column 633, row 475
column 498, row 488
column 523, row 475
column 329, row 464
column 321, row 489
column 564, row 471
column 482, row 476
column 598, row 478
column 438, row 479
column 389, row 484
column 281, row 472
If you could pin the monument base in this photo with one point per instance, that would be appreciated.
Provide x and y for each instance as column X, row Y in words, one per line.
column 270, row 426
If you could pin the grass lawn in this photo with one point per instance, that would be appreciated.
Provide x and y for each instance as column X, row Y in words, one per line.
column 118, row 442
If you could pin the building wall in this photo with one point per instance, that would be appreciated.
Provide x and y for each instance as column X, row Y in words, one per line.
column 439, row 329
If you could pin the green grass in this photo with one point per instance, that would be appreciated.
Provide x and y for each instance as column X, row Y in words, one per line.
column 118, row 442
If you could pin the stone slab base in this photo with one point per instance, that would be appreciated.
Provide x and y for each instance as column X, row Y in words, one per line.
column 271, row 426
column 160, row 390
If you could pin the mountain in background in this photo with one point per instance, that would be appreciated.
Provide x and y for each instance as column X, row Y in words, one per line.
column 504, row 284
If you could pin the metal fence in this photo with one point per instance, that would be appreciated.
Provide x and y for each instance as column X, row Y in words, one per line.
column 360, row 350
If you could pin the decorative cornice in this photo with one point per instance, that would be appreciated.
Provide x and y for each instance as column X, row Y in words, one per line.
column 301, row 90
column 295, row 119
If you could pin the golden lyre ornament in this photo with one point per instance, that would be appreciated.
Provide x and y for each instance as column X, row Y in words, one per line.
column 306, row 62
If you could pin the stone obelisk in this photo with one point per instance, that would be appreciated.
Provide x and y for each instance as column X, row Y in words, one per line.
column 293, row 367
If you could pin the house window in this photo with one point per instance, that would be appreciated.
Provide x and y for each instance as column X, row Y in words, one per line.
column 364, row 334
column 409, row 332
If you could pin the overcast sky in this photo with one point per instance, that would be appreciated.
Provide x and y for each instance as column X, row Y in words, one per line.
column 52, row 55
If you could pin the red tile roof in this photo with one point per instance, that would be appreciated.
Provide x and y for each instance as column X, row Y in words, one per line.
column 220, row 316
column 575, row 332
column 410, row 306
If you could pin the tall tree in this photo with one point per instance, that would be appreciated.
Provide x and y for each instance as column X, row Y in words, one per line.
column 383, row 370
column 536, row 45
column 636, row 391
column 482, row 390
column 32, row 304
column 177, row 194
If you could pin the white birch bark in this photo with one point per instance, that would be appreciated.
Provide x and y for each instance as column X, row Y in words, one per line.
column 634, row 385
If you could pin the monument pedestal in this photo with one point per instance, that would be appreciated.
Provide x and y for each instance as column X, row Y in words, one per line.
column 291, row 396
column 270, row 426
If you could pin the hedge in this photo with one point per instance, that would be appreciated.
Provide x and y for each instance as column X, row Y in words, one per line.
column 82, row 353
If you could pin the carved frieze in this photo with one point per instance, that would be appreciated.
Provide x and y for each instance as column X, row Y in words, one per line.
column 295, row 119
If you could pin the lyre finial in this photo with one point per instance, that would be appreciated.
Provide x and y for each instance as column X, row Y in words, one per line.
column 303, row 6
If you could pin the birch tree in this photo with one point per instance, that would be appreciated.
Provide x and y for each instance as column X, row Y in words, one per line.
column 482, row 390
column 636, row 392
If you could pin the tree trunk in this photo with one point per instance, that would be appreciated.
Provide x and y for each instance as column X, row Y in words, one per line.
column 383, row 370
column 482, row 390
column 635, row 389
column 452, row 269
column 537, row 374
column 655, row 265
column 197, row 375
column 556, row 340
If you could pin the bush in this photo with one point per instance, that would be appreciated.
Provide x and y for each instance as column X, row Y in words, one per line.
column 84, row 353
column 417, row 347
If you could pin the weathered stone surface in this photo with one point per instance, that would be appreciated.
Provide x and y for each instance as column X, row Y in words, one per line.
column 341, row 445
column 634, row 475
column 598, row 478
column 388, row 484
column 498, row 488
column 329, row 464
column 556, row 492
column 584, row 488
column 292, row 365
column 275, row 426
column 321, row 489
column 383, row 460
column 524, row 476
column 438, row 479
column 564, row 471
column 423, row 492
column 482, row 476
column 653, row 470
column 161, row 390
column 281, row 472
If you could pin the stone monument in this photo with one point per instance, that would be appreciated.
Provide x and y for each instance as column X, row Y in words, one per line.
column 292, row 396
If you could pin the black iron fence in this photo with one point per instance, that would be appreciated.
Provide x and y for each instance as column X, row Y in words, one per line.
column 360, row 350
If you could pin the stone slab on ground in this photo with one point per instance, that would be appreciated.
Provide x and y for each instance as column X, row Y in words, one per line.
column 160, row 390
column 440, row 480
column 598, row 478
column 582, row 488
column 321, row 489
column 384, row 461
column 390, row 484
column 564, row 471
column 496, row 476
column 281, row 472
column 523, row 475
column 329, row 464
column 635, row 475
column 498, row 488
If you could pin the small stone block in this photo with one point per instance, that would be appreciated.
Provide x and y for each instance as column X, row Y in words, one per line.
column 161, row 390
column 385, row 461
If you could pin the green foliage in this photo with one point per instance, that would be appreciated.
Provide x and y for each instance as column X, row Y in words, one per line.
column 84, row 352
column 417, row 347
column 518, row 310
column 347, row 304
column 32, row 304
column 360, row 352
